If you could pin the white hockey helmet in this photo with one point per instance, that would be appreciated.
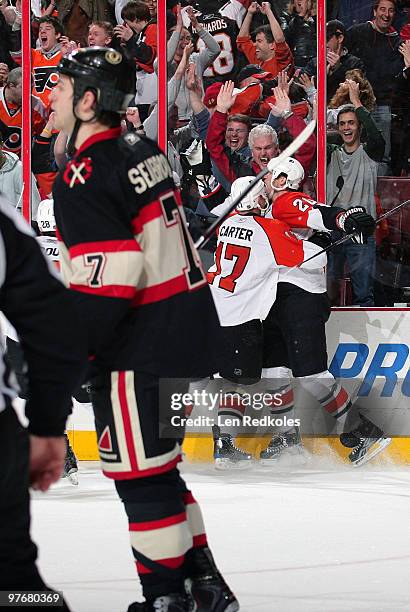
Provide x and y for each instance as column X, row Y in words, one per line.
column 45, row 217
column 250, row 201
column 293, row 170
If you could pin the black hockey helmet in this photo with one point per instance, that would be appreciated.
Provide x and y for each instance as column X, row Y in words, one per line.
column 103, row 70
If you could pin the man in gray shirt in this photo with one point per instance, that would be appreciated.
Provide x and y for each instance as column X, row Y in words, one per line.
column 356, row 164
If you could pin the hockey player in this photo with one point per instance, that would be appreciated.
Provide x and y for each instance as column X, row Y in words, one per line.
column 139, row 286
column 47, row 322
column 250, row 252
column 49, row 244
column 294, row 329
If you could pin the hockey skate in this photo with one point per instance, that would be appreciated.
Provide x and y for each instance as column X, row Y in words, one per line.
column 174, row 602
column 367, row 441
column 205, row 584
column 228, row 456
column 284, row 449
column 70, row 464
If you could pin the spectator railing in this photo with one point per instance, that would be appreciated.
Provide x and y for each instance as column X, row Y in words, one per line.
column 162, row 73
column 26, row 108
column 321, row 102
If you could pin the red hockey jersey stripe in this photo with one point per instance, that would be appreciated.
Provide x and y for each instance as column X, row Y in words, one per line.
column 160, row 292
column 148, row 213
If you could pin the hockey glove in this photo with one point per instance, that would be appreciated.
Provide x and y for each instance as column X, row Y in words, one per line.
column 322, row 239
column 356, row 221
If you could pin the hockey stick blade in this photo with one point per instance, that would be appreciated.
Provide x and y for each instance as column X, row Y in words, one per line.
column 274, row 162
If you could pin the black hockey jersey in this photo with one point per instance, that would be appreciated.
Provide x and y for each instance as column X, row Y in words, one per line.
column 225, row 31
column 126, row 251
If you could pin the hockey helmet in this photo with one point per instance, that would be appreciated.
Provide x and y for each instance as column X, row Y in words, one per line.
column 45, row 217
column 251, row 200
column 102, row 70
column 292, row 169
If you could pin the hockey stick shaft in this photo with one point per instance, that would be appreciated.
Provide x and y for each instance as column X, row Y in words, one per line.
column 288, row 152
column 202, row 241
column 392, row 211
column 349, row 236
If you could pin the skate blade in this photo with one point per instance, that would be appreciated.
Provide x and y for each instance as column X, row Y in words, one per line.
column 225, row 464
column 375, row 449
column 232, row 607
column 71, row 475
column 73, row 478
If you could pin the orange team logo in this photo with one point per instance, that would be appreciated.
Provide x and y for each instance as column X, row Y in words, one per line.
column 77, row 172
column 11, row 137
column 45, row 77
column 45, row 73
column 10, row 125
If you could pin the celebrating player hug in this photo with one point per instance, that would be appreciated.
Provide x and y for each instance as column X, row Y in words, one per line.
column 204, row 376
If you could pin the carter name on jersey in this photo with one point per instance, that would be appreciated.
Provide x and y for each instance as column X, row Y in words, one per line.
column 236, row 232
column 149, row 173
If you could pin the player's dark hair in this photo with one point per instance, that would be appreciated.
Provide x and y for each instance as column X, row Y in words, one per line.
column 265, row 30
column 110, row 119
column 57, row 25
column 136, row 11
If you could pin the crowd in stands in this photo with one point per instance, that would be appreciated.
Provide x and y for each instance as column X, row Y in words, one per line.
column 241, row 85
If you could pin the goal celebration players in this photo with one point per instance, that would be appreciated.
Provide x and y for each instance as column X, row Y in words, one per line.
column 283, row 334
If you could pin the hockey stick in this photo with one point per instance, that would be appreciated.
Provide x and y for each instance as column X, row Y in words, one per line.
column 349, row 236
column 273, row 163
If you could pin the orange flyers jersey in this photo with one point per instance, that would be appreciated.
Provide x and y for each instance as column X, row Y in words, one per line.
column 44, row 73
column 11, row 122
column 303, row 215
column 248, row 257
column 297, row 210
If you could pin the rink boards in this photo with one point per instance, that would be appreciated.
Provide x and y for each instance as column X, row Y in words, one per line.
column 368, row 350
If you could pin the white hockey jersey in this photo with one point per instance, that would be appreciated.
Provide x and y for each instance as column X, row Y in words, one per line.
column 248, row 257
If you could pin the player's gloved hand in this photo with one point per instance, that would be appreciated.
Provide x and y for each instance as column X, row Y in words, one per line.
column 356, row 220
column 322, row 239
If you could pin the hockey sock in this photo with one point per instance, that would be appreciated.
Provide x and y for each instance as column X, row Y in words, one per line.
column 279, row 396
column 195, row 520
column 159, row 531
column 330, row 394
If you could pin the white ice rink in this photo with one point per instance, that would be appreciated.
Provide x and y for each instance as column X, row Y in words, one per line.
column 325, row 538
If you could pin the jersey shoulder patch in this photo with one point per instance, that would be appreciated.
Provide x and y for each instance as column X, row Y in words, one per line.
column 129, row 141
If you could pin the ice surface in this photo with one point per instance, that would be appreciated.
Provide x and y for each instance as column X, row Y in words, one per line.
column 323, row 538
